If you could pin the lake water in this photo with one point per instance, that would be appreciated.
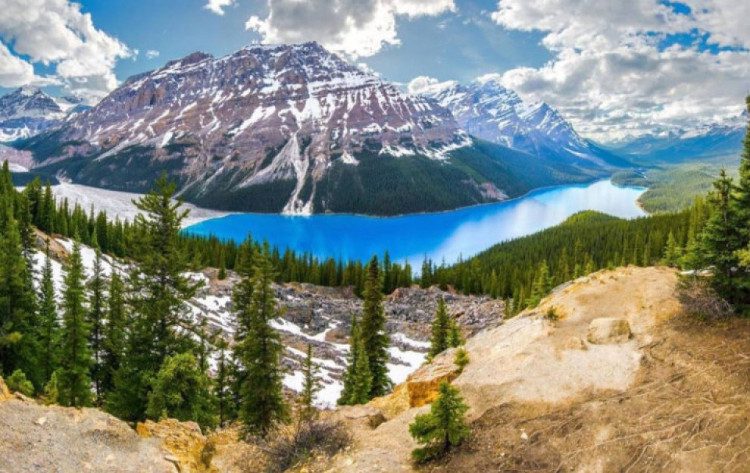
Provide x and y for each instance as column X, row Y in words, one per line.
column 439, row 236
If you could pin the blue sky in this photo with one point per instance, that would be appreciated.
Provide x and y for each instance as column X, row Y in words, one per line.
column 615, row 68
column 460, row 45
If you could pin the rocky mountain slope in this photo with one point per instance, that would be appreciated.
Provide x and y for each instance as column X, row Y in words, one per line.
column 28, row 111
column 319, row 316
column 621, row 381
column 488, row 110
column 290, row 128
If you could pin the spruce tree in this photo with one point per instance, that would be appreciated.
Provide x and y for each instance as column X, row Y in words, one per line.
column 361, row 390
column 442, row 428
column 19, row 347
column 348, row 378
column 721, row 239
column 160, row 325
column 672, row 252
column 542, row 285
column 114, row 335
column 224, row 383
column 310, row 387
column 440, row 328
column 455, row 339
column 374, row 336
column 258, row 350
column 74, row 383
column 49, row 328
column 96, row 320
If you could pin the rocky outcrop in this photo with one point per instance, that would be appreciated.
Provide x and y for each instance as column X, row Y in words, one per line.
column 34, row 437
column 608, row 330
column 4, row 391
column 221, row 451
column 422, row 385
column 184, row 440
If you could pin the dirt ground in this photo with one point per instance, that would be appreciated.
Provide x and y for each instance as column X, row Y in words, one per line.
column 688, row 411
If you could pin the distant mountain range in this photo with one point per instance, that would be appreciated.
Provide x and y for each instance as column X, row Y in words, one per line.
column 28, row 111
column 687, row 145
column 487, row 110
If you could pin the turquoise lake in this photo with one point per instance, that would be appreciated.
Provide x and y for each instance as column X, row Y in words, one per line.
column 439, row 236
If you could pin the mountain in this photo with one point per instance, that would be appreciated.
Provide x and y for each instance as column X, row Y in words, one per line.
column 28, row 111
column 486, row 109
column 714, row 140
column 288, row 128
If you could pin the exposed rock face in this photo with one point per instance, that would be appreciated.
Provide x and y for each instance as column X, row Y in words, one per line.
column 423, row 384
column 608, row 330
column 4, row 391
column 265, row 129
column 34, row 437
column 222, row 451
column 184, row 440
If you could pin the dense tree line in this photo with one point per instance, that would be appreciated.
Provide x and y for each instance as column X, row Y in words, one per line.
column 525, row 269
column 117, row 237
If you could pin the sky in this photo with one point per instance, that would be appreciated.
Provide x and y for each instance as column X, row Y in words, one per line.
column 615, row 69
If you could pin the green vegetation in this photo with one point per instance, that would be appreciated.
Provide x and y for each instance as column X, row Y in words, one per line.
column 440, row 328
column 182, row 390
column 524, row 270
column 258, row 348
column 461, row 359
column 18, row 382
column 442, row 428
column 673, row 187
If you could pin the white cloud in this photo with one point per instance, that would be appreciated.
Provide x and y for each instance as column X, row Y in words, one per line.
column 14, row 71
column 152, row 54
column 56, row 32
column 421, row 84
column 612, row 76
column 218, row 6
column 354, row 27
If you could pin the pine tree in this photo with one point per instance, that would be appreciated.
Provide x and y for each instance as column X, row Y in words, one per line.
column 455, row 339
column 541, row 286
column 74, row 383
column 440, row 327
column 361, row 375
column 721, row 239
column 310, row 387
column 18, row 325
column 442, row 428
column 258, row 350
column 96, row 321
column 348, row 378
column 182, row 390
column 374, row 336
column 158, row 290
column 114, row 335
column 49, row 328
column 672, row 252
column 224, row 383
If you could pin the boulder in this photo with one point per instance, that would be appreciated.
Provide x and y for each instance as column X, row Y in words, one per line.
column 184, row 440
column 422, row 385
column 366, row 415
column 607, row 330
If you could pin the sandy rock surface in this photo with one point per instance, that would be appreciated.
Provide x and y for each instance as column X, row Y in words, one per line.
column 41, row 438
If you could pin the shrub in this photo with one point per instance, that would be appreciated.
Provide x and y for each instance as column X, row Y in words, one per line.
column 461, row 359
column 293, row 448
column 700, row 300
column 51, row 390
column 19, row 383
column 552, row 314
column 442, row 428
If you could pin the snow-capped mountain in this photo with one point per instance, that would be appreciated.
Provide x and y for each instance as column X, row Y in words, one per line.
column 287, row 128
column 713, row 140
column 488, row 110
column 28, row 111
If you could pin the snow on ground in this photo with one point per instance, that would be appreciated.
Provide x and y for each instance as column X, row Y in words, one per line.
column 120, row 204
column 215, row 309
